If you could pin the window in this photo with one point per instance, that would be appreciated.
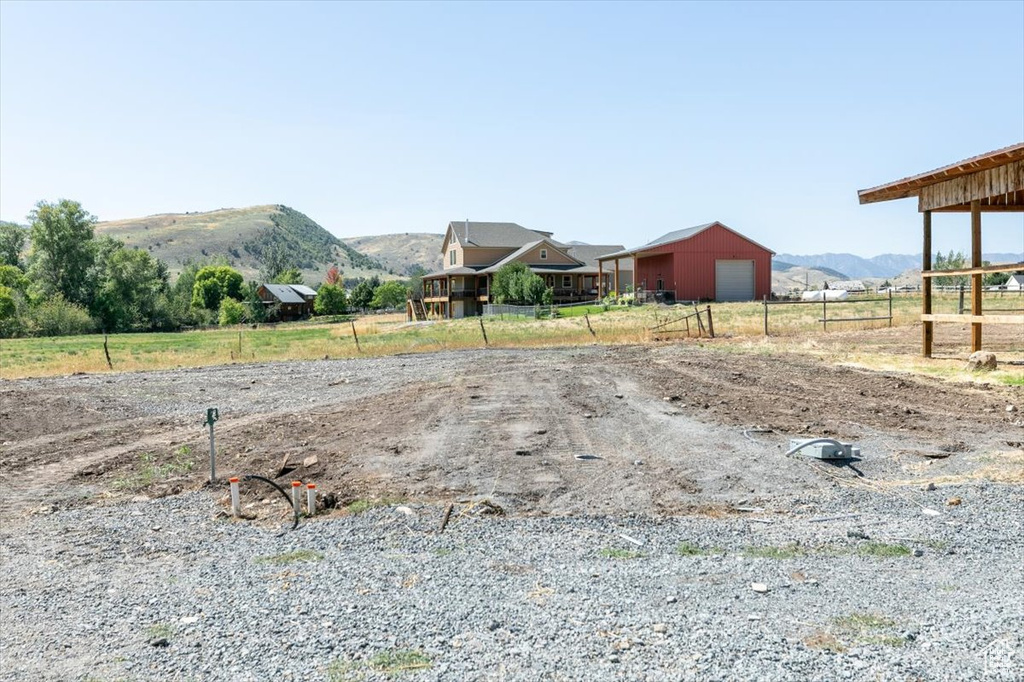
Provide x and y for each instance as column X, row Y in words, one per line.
column 661, row 285
column 451, row 257
column 543, row 254
column 567, row 281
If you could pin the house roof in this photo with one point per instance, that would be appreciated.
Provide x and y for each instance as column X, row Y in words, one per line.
column 526, row 248
column 911, row 186
column 589, row 253
column 284, row 293
column 303, row 289
column 676, row 236
column 495, row 235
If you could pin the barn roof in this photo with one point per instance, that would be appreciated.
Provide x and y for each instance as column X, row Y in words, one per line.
column 303, row 289
column 676, row 236
column 912, row 186
column 284, row 293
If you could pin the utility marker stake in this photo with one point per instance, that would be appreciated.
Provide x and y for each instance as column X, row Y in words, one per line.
column 296, row 503
column 212, row 416
column 236, row 505
column 311, row 499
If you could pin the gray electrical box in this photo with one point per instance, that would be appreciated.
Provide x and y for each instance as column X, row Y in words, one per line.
column 824, row 450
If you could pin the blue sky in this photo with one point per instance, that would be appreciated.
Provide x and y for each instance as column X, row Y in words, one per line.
column 602, row 122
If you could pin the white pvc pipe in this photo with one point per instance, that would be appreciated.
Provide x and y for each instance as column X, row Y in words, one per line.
column 296, row 503
column 236, row 504
column 311, row 499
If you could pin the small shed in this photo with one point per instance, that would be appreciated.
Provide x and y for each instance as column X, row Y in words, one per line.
column 702, row 263
column 286, row 302
column 1015, row 283
column 981, row 184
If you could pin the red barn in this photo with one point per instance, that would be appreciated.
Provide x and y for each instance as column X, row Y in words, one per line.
column 709, row 262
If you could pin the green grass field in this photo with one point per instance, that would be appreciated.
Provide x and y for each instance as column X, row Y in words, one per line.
column 388, row 335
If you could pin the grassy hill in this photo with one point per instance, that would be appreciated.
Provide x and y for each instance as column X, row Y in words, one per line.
column 242, row 236
column 399, row 252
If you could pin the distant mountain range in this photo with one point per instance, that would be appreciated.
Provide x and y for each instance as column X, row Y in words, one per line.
column 886, row 265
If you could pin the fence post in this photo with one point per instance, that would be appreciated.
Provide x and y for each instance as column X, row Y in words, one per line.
column 355, row 336
column 766, row 314
column 484, row 331
column 711, row 324
column 961, row 310
column 824, row 311
column 587, row 318
column 890, row 306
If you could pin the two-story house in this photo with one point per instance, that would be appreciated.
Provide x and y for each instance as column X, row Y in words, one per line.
column 474, row 251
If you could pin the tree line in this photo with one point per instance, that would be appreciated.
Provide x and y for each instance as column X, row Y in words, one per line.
column 73, row 282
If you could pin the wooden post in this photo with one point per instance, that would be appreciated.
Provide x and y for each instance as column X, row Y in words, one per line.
column 587, row 318
column 600, row 280
column 976, row 278
column 711, row 324
column 926, row 287
column 824, row 309
column 355, row 336
column 700, row 322
column 890, row 306
column 106, row 351
column 616, row 278
column 483, row 331
column 766, row 314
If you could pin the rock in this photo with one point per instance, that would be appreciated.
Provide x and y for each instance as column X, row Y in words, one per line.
column 405, row 510
column 930, row 487
column 660, row 628
column 981, row 360
column 671, row 599
column 858, row 534
column 953, row 501
column 759, row 587
column 311, row 461
column 1011, row 408
column 638, row 462
column 523, row 453
column 918, row 552
column 540, row 432
column 613, row 659
column 159, row 642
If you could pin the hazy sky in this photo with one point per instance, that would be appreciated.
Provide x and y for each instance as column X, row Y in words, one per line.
column 602, row 122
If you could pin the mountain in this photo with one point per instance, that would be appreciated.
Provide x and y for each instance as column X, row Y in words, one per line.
column 243, row 236
column 400, row 252
column 885, row 265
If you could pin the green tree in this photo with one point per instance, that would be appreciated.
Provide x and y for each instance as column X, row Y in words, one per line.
column 214, row 283
column 515, row 283
column 12, row 277
column 330, row 300
column 62, row 255
column 231, row 311
column 129, row 286
column 995, row 279
column 288, row 276
column 388, row 295
column 954, row 260
column 255, row 309
column 12, row 241
column 56, row 316
column 273, row 262
column 362, row 294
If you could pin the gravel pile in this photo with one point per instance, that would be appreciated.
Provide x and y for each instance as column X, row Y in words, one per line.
column 843, row 585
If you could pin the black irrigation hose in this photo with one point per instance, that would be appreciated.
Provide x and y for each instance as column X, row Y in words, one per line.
column 251, row 477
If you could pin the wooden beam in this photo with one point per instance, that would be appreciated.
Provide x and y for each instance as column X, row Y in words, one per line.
column 927, row 332
column 974, row 319
column 976, row 277
column 1005, row 179
column 600, row 279
column 1006, row 267
column 616, row 278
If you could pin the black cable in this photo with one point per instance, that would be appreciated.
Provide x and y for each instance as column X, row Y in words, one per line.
column 250, row 477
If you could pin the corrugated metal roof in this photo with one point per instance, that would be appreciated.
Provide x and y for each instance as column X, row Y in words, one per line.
column 284, row 293
column 303, row 289
column 676, row 236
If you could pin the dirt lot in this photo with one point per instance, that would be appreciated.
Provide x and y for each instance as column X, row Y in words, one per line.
column 663, row 429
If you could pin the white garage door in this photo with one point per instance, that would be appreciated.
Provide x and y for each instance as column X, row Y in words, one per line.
column 734, row 280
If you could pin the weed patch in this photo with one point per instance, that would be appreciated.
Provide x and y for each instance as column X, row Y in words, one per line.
column 291, row 557
column 616, row 553
column 883, row 550
column 151, row 471
column 690, row 549
column 789, row 551
column 390, row 663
